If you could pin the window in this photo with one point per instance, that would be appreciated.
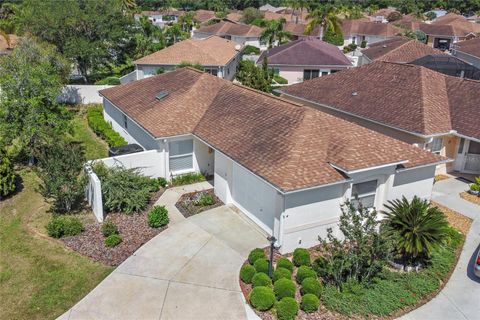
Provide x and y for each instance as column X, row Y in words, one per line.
column 354, row 39
column 436, row 145
column 324, row 73
column 212, row 71
column 460, row 146
column 125, row 121
column 364, row 193
column 310, row 74
column 181, row 155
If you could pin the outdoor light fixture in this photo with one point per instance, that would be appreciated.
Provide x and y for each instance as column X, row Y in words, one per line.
column 272, row 240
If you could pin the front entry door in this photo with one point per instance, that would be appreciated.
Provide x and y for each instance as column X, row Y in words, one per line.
column 472, row 158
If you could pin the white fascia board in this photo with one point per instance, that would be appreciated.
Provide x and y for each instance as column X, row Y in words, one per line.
column 368, row 168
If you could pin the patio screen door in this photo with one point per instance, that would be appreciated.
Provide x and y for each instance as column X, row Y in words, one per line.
column 472, row 158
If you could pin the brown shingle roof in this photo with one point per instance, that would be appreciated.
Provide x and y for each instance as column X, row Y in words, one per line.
column 407, row 97
column 398, row 49
column 307, row 51
column 212, row 51
column 228, row 28
column 471, row 47
column 204, row 15
column 450, row 25
column 289, row 145
column 361, row 27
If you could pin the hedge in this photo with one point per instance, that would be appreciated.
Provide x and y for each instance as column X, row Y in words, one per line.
column 102, row 128
column 108, row 81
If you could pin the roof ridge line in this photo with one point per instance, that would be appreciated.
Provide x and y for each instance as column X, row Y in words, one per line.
column 268, row 95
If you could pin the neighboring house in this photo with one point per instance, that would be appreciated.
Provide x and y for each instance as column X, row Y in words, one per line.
column 285, row 166
column 449, row 65
column 468, row 51
column 297, row 30
column 216, row 55
column 160, row 18
column 305, row 59
column 422, row 107
column 241, row 34
column 398, row 49
column 270, row 8
column 234, row 16
column 356, row 31
column 380, row 16
column 203, row 16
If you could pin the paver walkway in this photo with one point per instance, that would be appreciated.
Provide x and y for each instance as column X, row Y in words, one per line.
column 189, row 271
column 460, row 299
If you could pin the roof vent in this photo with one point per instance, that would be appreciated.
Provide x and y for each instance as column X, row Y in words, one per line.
column 161, row 95
column 355, row 93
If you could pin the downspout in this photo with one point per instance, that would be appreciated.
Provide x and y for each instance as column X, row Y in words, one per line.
column 281, row 224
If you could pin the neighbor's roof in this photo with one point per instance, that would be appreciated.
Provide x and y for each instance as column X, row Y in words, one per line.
column 211, row 51
column 362, row 27
column 229, row 28
column 235, row 16
column 450, row 25
column 307, row 51
column 408, row 97
column 399, row 49
column 471, row 47
column 204, row 15
column 171, row 12
column 289, row 145
column 298, row 29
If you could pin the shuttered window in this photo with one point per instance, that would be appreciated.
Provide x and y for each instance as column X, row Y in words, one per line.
column 181, row 155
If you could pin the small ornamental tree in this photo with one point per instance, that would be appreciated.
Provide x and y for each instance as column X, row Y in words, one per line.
column 363, row 251
column 253, row 76
column 7, row 174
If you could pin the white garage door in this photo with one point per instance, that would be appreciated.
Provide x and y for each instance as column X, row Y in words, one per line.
column 254, row 196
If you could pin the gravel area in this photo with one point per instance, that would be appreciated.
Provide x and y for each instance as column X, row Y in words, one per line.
column 133, row 229
column 470, row 197
column 186, row 203
column 456, row 220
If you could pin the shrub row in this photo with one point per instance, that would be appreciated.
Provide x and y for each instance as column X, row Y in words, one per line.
column 102, row 128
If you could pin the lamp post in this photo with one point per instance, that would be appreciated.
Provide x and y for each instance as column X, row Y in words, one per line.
column 272, row 240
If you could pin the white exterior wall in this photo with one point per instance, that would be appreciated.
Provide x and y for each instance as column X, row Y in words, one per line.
column 414, row 182
column 358, row 39
column 203, row 157
column 151, row 163
column 294, row 74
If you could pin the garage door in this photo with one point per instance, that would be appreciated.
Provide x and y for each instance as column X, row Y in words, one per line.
column 254, row 197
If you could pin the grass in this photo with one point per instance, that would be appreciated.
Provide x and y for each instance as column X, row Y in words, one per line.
column 95, row 147
column 39, row 278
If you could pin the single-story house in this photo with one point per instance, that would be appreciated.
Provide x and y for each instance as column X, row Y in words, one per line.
column 286, row 166
column 160, row 18
column 468, row 51
column 414, row 104
column 241, row 34
column 398, row 49
column 218, row 56
column 305, row 59
column 356, row 31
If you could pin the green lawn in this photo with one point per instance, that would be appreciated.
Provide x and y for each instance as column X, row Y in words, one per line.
column 39, row 278
column 95, row 147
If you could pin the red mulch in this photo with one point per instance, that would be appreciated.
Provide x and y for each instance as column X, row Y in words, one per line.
column 133, row 229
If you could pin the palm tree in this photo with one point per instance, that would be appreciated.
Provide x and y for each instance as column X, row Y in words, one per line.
column 274, row 31
column 324, row 16
column 416, row 227
column 128, row 5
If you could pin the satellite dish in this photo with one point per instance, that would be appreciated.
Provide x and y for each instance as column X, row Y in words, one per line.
column 238, row 47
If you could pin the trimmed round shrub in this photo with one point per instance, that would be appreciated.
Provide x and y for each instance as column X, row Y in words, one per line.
column 285, row 263
column 311, row 286
column 109, row 228
column 261, row 265
column 260, row 279
column 301, row 257
column 310, row 303
column 64, row 227
column 320, row 266
column 158, row 217
column 256, row 254
column 246, row 273
column 262, row 298
column 305, row 272
column 284, row 288
column 113, row 240
column 281, row 273
column 287, row 309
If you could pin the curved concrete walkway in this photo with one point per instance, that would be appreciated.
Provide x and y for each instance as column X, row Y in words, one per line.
column 189, row 271
column 460, row 299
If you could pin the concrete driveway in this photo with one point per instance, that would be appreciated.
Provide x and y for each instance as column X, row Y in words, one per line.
column 189, row 271
column 460, row 299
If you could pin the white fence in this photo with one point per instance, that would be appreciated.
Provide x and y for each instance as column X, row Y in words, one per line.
column 132, row 76
column 82, row 94
column 93, row 193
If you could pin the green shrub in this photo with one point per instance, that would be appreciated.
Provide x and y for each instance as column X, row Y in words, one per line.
column 305, row 272
column 64, row 227
column 363, row 44
column 281, row 273
column 284, row 288
column 187, row 178
column 158, row 217
column 205, row 199
column 301, row 257
column 320, row 266
column 109, row 228
column 285, row 263
column 261, row 265
column 251, row 50
column 280, row 80
column 102, row 128
column 260, row 279
column 262, row 298
column 160, row 71
column 286, row 309
column 108, row 81
column 311, row 286
column 310, row 303
column 246, row 273
column 113, row 240
column 7, row 174
column 162, row 182
column 256, row 254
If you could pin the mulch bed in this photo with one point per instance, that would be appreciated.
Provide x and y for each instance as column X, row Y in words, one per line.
column 187, row 207
column 456, row 220
column 470, row 197
column 133, row 229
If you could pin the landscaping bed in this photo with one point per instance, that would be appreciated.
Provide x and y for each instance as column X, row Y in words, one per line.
column 133, row 228
column 193, row 203
column 470, row 197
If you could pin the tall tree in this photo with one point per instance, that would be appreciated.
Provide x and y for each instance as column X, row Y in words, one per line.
column 274, row 32
column 326, row 17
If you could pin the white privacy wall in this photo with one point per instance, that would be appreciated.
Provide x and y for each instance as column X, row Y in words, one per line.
column 151, row 163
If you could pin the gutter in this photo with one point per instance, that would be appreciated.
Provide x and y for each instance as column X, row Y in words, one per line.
column 369, row 168
column 425, row 165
